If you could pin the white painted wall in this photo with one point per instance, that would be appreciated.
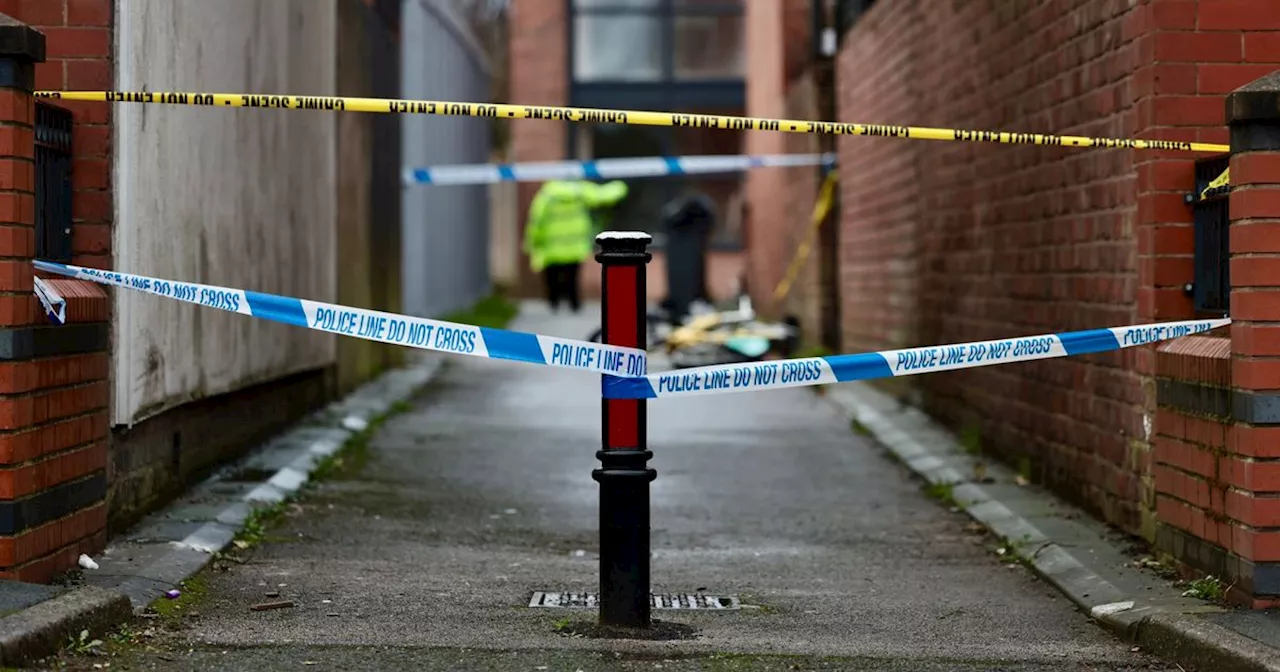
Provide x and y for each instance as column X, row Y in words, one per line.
column 236, row 197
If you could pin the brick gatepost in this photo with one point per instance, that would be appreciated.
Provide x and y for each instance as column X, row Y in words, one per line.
column 1250, row 464
column 53, row 379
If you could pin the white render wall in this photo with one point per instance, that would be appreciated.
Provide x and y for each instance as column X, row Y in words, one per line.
column 238, row 197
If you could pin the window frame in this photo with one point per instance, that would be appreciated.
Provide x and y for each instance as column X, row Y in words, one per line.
column 667, row 92
column 1210, row 286
column 53, row 188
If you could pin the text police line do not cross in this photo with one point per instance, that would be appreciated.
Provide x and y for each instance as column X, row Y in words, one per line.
column 892, row 363
column 624, row 368
column 372, row 325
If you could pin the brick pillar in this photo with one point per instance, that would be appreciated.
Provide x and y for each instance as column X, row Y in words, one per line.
column 539, row 73
column 1176, row 98
column 1250, row 465
column 53, row 389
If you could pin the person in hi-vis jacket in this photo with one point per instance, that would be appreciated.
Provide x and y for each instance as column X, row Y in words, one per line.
column 560, row 233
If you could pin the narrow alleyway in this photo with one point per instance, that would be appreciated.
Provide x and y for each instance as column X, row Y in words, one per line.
column 480, row 495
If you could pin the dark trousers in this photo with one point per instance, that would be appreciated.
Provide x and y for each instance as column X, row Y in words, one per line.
column 562, row 284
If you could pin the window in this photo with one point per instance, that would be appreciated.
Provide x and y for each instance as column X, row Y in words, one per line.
column 685, row 55
column 618, row 40
column 657, row 40
column 708, row 40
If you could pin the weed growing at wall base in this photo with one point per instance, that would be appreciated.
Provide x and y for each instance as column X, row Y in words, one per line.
column 1209, row 588
column 942, row 492
column 1008, row 550
column 494, row 311
column 353, row 454
column 256, row 524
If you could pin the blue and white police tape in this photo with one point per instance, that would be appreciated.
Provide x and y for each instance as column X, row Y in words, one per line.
column 372, row 325
column 607, row 169
column 890, row 363
column 54, row 305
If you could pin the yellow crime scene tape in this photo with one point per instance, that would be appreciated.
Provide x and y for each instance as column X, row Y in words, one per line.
column 1220, row 184
column 632, row 117
column 820, row 209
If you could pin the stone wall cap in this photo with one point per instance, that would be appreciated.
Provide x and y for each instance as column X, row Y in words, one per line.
column 1258, row 100
column 18, row 40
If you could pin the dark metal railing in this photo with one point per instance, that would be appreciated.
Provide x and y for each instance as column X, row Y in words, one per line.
column 1211, row 287
column 53, row 182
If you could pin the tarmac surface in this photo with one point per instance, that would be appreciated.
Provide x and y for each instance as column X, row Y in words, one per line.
column 426, row 554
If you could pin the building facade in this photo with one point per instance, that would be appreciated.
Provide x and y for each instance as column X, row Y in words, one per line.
column 709, row 56
column 945, row 242
column 107, row 417
column 642, row 55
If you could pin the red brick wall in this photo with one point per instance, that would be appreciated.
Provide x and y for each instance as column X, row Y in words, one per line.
column 948, row 242
column 539, row 75
column 779, row 200
column 787, row 205
column 53, row 408
column 797, row 24
column 78, row 34
column 879, row 216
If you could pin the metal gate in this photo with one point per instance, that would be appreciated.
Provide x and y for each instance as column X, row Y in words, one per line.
column 1211, row 287
column 53, row 182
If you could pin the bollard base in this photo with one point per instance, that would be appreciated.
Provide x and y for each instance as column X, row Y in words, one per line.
column 657, row 631
column 624, row 537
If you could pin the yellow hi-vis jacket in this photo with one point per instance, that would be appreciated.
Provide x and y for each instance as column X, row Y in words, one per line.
column 560, row 229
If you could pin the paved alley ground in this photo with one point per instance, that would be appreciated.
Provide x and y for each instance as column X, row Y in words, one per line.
column 426, row 556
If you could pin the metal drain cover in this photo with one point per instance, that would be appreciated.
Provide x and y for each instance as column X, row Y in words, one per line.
column 548, row 599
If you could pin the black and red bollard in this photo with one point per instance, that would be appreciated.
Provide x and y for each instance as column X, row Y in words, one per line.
column 624, row 475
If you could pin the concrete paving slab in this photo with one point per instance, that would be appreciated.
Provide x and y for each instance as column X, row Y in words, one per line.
column 16, row 595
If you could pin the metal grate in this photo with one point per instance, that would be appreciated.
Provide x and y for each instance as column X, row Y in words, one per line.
column 688, row 601
column 1211, row 286
column 53, row 182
